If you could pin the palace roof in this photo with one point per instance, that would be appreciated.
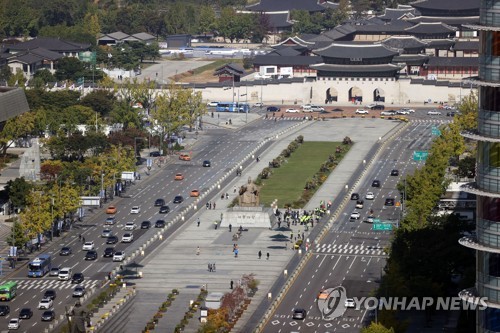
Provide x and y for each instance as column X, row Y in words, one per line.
column 349, row 51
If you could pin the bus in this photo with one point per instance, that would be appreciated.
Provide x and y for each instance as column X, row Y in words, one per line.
column 232, row 107
column 8, row 291
column 40, row 266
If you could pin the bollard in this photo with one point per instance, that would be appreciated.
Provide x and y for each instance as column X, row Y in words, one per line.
column 269, row 295
column 142, row 253
column 140, row 274
column 285, row 272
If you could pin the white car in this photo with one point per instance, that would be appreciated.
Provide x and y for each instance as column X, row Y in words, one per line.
column 130, row 226
column 212, row 104
column 292, row 111
column 45, row 303
column 87, row 246
column 369, row 196
column 135, row 210
column 349, row 303
column 317, row 108
column 14, row 324
column 387, row 113
column 355, row 215
column 434, row 113
column 362, row 111
column 119, row 256
column 370, row 219
column 64, row 274
column 402, row 112
column 127, row 238
column 258, row 104
column 408, row 109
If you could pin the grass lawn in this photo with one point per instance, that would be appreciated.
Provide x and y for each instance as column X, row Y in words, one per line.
column 287, row 182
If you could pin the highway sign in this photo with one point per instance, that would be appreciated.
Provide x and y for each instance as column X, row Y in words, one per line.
column 384, row 226
column 435, row 130
column 420, row 155
column 376, row 220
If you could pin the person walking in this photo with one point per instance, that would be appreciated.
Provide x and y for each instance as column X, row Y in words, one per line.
column 83, row 239
column 198, row 222
column 267, row 255
column 79, row 237
column 214, row 205
column 231, row 284
column 210, row 205
column 227, row 195
column 213, row 267
column 230, row 227
column 198, row 251
column 260, row 254
column 207, row 205
column 215, row 225
column 209, row 267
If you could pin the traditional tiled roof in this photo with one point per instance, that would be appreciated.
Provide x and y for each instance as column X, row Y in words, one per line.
column 340, row 31
column 397, row 14
column 453, row 61
column 357, row 68
column 295, row 40
column 395, row 27
column 279, row 20
column 349, row 51
column 462, row 45
column 34, row 56
column 404, row 42
column 231, row 68
column 262, row 60
column 451, row 20
column 49, row 43
column 441, row 44
column 285, row 51
column 286, row 5
column 431, row 28
column 12, row 103
column 447, row 5
column 410, row 59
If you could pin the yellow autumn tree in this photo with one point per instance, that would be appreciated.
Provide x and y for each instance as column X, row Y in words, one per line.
column 37, row 217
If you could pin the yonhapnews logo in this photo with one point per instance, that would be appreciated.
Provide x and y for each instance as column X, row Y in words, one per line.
column 331, row 303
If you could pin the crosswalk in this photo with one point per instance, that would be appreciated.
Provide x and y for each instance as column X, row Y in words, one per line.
column 51, row 283
column 284, row 118
column 350, row 249
column 434, row 121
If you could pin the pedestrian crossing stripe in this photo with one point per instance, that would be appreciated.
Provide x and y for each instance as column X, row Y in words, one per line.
column 42, row 284
column 349, row 249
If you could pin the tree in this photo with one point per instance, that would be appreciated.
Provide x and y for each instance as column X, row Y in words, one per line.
column 70, row 68
column 467, row 119
column 206, row 20
column 17, row 191
column 376, row 328
column 17, row 237
column 100, row 100
column 467, row 167
column 36, row 218
column 64, row 198
column 16, row 128
column 303, row 23
column 45, row 75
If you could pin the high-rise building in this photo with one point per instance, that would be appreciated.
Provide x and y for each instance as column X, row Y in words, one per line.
column 486, row 242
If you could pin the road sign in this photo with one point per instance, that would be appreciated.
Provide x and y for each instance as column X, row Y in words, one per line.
column 376, row 220
column 87, row 56
column 384, row 226
column 435, row 130
column 419, row 155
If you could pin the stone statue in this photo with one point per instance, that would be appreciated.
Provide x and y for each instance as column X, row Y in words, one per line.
column 249, row 195
column 79, row 318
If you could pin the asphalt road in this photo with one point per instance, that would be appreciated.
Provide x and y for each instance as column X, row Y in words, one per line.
column 351, row 254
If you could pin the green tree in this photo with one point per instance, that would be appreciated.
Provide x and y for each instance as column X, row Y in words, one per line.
column 36, row 218
column 17, row 237
column 64, row 198
column 467, row 167
column 303, row 23
column 376, row 328
column 15, row 128
column 100, row 100
column 45, row 75
column 206, row 20
column 70, row 68
column 467, row 119
column 18, row 190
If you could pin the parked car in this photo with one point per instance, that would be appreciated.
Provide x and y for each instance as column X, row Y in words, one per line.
column 258, row 104
column 316, row 108
column 212, row 104
column 403, row 112
column 154, row 154
column 376, row 107
column 408, row 109
column 434, row 113
column 388, row 113
column 292, row 110
column 361, row 111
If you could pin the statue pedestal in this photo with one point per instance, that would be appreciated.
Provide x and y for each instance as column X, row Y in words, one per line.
column 247, row 217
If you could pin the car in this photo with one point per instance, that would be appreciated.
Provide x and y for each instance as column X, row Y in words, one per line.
column 291, row 110
column 135, row 210
column 130, row 226
column 403, row 112
column 259, row 104
column 316, row 108
column 79, row 291
column 159, row 202
column 387, row 113
column 154, row 154
column 212, row 104
column 64, row 274
column 355, row 215
column 179, row 176
column 77, row 278
column 111, row 209
column 273, row 109
column 299, row 314
column 349, row 303
column 127, row 237
column 45, row 303
column 354, row 196
column 112, row 240
column 394, row 172
column 50, row 293
column 25, row 313
column 376, row 183
column 370, row 219
column 145, row 225
column 178, row 199
column 376, row 106
column 361, row 111
column 48, row 315
column 389, row 202
column 109, row 252
column 194, row 193
column 323, row 294
column 306, row 107
column 369, row 196
column 54, row 271
column 160, row 224
column 4, row 310
column 91, row 255
column 87, row 246
column 184, row 157
column 408, row 109
column 451, row 114
column 164, row 209
column 206, row 164
column 106, row 233
column 434, row 113
column 65, row 251
column 119, row 256
column 110, row 220
column 359, row 204
column 14, row 324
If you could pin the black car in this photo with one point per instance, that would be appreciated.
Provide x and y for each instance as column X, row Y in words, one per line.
column 4, row 310
column 206, row 163
column 376, row 183
column 112, row 240
column 389, row 202
column 395, row 172
column 91, row 255
column 109, row 252
column 164, row 209
column 160, row 224
column 145, row 225
column 25, row 313
column 159, row 202
column 154, row 154
column 377, row 107
column 65, row 251
column 273, row 109
column 50, row 293
column 48, row 315
column 354, row 196
column 77, row 278
column 178, row 199
column 299, row 314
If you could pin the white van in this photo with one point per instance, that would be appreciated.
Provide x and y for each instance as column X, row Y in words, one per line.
column 64, row 274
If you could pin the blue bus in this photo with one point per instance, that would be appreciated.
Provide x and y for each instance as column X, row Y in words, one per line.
column 40, row 266
column 232, row 107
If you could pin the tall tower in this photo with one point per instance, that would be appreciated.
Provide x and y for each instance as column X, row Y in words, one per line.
column 487, row 185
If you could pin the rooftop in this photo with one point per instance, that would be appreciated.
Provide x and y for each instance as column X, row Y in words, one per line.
column 286, row 5
column 338, row 50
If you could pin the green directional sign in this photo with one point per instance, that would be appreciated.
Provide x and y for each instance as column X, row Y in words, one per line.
column 87, row 56
column 376, row 220
column 435, row 131
column 80, row 81
column 419, row 155
column 383, row 226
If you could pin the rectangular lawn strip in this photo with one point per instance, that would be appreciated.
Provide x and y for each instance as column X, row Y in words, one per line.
column 288, row 181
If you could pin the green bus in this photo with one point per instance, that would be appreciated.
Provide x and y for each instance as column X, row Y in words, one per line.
column 8, row 291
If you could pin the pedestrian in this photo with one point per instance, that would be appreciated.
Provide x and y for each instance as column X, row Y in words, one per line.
column 302, row 236
column 236, row 253
column 260, row 254
column 214, row 205
column 79, row 237
column 231, row 284
column 227, row 195
column 216, row 224
column 230, row 227
column 279, row 224
column 234, row 189
column 207, row 205
column 209, row 267
column 83, row 239
column 213, row 267
column 267, row 255
column 222, row 196
column 198, row 222
column 210, row 205
column 198, row 251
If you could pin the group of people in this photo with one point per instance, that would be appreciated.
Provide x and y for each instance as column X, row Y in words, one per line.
column 222, row 196
column 210, row 205
column 260, row 255
column 211, row 267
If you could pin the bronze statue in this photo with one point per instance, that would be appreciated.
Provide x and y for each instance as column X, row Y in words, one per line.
column 249, row 194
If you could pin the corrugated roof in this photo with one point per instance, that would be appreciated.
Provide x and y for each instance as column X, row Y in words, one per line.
column 144, row 36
